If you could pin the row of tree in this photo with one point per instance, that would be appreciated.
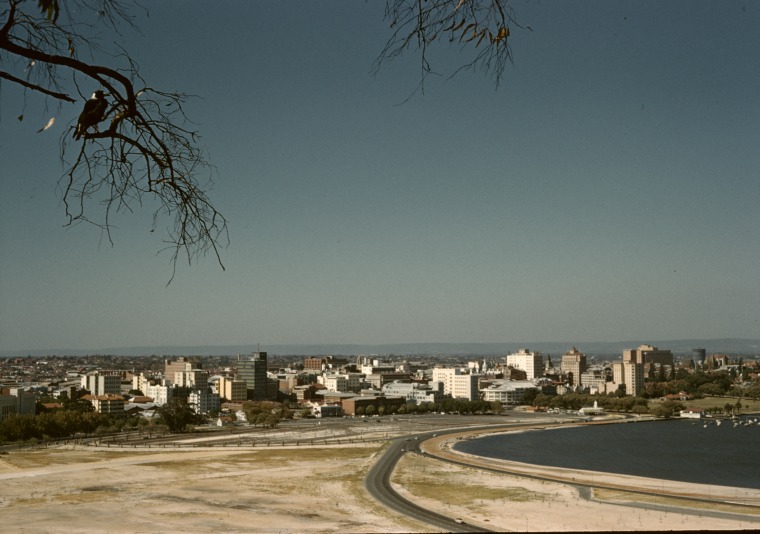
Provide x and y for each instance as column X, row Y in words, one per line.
column 700, row 383
column 53, row 425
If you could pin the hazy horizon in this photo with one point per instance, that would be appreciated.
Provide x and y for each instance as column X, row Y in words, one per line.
column 680, row 346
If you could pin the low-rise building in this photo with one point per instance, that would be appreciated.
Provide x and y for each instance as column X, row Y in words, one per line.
column 415, row 392
column 508, row 392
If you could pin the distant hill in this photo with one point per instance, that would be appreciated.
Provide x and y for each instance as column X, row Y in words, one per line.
column 679, row 346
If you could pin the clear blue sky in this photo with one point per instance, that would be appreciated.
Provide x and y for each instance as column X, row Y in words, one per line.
column 608, row 190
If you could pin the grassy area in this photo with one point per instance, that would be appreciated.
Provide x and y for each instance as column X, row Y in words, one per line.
column 431, row 479
column 626, row 496
column 748, row 405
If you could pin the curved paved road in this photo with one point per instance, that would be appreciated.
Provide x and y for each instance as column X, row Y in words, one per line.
column 378, row 484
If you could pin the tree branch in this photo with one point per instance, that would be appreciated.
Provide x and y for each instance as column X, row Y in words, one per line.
column 34, row 87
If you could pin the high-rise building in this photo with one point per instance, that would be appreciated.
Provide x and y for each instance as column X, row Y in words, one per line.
column 574, row 361
column 102, row 384
column 253, row 370
column 631, row 374
column 698, row 357
column 530, row 362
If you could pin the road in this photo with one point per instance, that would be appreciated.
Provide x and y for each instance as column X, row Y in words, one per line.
column 378, row 484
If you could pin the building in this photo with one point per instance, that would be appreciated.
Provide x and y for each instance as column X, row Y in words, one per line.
column 595, row 379
column 573, row 365
column 648, row 354
column 509, row 392
column 171, row 368
column 159, row 393
column 202, row 401
column 378, row 380
column 629, row 373
column 233, row 390
column 698, row 357
column 342, row 382
column 26, row 401
column 102, row 383
column 323, row 364
column 190, row 378
column 7, row 406
column 253, row 370
column 107, row 404
column 530, row 362
column 457, row 384
column 415, row 392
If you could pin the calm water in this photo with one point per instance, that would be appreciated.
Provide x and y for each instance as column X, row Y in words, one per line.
column 673, row 450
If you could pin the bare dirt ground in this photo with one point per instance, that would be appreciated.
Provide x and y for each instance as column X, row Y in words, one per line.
column 313, row 489
column 267, row 490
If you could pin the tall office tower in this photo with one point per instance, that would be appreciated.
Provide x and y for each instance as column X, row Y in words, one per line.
column 698, row 357
column 253, row 370
column 574, row 362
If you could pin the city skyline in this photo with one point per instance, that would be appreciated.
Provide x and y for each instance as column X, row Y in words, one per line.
column 607, row 190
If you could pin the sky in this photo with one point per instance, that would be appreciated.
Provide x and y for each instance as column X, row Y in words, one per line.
column 608, row 189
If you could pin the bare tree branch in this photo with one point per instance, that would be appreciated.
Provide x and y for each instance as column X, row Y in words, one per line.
column 481, row 27
column 148, row 154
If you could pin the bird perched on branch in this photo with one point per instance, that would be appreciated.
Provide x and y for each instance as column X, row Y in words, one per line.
column 93, row 112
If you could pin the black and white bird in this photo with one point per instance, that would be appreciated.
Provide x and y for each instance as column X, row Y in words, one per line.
column 93, row 112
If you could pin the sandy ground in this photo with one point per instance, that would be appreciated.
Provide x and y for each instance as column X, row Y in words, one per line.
column 293, row 489
column 267, row 490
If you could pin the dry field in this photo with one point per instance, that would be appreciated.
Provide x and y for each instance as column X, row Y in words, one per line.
column 289, row 489
column 272, row 490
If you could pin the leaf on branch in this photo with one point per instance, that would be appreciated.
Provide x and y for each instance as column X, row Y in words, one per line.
column 50, row 9
column 502, row 35
column 48, row 125
column 466, row 30
column 459, row 25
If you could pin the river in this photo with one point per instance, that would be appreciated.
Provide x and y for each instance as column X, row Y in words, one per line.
column 700, row 451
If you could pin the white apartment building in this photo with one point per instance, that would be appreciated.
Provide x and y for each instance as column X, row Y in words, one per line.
column 457, row 383
column 202, row 401
column 160, row 394
column 530, row 362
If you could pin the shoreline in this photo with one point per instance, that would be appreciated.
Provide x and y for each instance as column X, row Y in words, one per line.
column 443, row 448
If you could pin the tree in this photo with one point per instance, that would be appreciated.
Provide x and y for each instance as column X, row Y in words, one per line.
column 146, row 153
column 177, row 415
column 482, row 26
